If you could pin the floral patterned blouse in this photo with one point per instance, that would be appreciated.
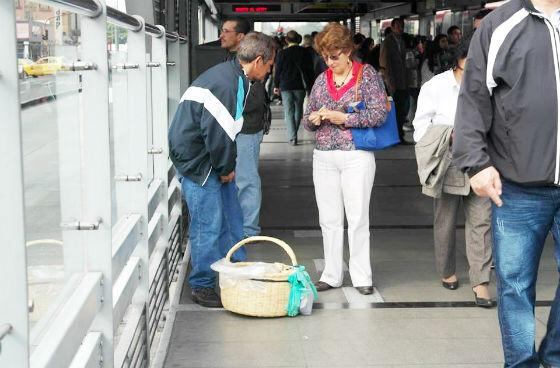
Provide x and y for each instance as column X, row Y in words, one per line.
column 324, row 93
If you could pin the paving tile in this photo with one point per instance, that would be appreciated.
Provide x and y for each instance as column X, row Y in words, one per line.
column 235, row 354
column 433, row 351
column 225, row 326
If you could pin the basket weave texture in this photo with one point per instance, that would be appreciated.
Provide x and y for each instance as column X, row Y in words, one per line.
column 266, row 297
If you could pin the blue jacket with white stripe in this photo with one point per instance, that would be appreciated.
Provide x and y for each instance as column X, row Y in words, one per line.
column 508, row 110
column 209, row 117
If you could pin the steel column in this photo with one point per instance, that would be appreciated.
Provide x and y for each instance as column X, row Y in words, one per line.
column 96, row 177
column 135, row 196
column 160, row 119
column 173, row 78
column 14, row 345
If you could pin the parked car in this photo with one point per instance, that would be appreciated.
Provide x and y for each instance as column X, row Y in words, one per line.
column 21, row 65
column 44, row 66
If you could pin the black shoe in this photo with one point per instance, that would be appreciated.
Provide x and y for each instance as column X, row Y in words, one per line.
column 483, row 303
column 450, row 285
column 207, row 297
column 293, row 142
column 365, row 290
column 322, row 286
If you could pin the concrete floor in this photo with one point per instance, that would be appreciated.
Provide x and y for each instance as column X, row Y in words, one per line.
column 410, row 320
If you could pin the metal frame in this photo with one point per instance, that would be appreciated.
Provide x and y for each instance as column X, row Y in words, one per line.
column 14, row 347
column 132, row 284
column 112, row 270
column 71, row 323
column 89, row 354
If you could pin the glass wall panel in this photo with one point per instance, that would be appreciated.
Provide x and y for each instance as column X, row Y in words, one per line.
column 48, row 40
column 118, row 107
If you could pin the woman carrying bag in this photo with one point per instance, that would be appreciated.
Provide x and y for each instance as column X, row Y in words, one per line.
column 342, row 175
column 433, row 125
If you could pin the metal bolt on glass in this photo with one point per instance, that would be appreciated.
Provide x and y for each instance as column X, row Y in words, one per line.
column 78, row 66
column 80, row 225
column 137, row 177
column 125, row 66
column 155, row 151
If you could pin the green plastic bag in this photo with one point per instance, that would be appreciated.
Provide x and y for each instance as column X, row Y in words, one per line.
column 301, row 288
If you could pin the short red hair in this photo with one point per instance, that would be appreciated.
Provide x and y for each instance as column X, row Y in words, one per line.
column 334, row 37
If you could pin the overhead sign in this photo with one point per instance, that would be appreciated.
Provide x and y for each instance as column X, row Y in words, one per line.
column 321, row 8
column 256, row 8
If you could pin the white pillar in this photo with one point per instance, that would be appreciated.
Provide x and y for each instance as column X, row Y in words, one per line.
column 13, row 268
column 96, row 176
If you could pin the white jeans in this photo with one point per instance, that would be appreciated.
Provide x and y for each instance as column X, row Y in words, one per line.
column 343, row 181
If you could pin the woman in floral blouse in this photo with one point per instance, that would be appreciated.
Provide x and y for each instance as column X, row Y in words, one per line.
column 343, row 176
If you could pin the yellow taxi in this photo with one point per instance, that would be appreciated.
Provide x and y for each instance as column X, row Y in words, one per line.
column 44, row 66
column 21, row 64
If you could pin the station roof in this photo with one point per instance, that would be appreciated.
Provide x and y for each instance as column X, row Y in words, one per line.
column 303, row 10
column 329, row 10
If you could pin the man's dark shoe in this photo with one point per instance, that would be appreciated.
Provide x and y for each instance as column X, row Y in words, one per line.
column 365, row 290
column 322, row 286
column 207, row 297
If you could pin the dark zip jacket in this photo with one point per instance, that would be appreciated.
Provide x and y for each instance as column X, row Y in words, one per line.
column 507, row 113
column 294, row 67
column 256, row 106
column 209, row 117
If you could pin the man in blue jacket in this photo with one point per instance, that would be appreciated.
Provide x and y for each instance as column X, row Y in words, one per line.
column 202, row 148
column 507, row 138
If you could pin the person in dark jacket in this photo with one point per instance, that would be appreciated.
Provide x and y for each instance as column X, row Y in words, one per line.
column 255, row 114
column 507, row 140
column 392, row 67
column 293, row 78
column 203, row 150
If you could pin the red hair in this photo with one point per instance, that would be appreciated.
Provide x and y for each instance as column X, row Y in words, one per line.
column 334, row 37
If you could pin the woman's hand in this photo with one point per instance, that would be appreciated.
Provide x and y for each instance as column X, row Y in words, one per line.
column 333, row 117
column 315, row 118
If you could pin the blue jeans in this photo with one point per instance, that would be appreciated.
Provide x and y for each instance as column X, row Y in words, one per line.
column 520, row 228
column 248, row 180
column 293, row 110
column 216, row 225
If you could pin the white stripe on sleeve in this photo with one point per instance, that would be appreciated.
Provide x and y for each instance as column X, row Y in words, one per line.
column 215, row 108
column 498, row 38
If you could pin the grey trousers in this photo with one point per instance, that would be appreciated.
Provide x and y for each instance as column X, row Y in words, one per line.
column 477, row 235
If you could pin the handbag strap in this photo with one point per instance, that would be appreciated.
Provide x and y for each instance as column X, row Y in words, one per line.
column 357, row 89
column 358, row 82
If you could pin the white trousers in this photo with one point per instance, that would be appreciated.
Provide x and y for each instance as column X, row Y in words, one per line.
column 343, row 181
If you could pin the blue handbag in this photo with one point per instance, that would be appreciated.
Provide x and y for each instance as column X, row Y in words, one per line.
column 379, row 137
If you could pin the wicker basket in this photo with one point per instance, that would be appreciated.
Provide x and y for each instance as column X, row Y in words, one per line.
column 271, row 299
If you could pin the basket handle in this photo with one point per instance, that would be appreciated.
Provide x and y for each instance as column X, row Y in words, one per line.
column 252, row 239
